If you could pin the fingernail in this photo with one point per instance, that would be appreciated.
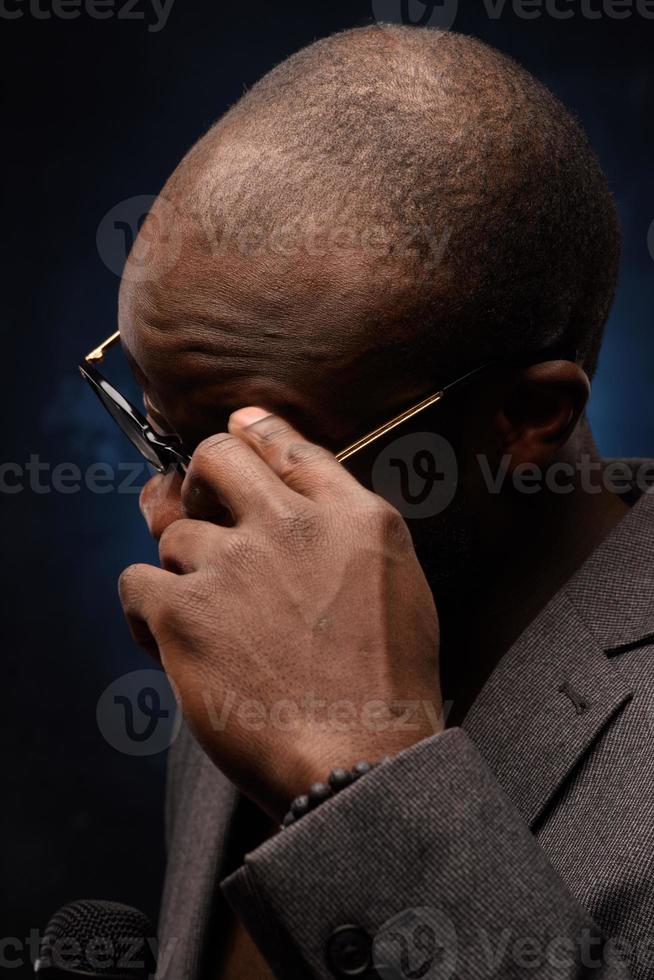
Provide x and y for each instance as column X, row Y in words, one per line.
column 246, row 416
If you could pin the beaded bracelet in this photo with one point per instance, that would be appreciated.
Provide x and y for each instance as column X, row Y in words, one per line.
column 337, row 780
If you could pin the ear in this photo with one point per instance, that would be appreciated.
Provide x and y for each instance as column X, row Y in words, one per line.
column 540, row 410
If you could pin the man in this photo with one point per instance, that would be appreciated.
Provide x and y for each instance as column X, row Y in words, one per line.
column 383, row 213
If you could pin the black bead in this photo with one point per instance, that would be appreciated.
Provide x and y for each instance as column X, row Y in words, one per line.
column 318, row 793
column 360, row 769
column 339, row 779
column 300, row 806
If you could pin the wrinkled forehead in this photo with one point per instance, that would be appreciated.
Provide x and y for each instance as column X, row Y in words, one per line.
column 283, row 320
column 213, row 332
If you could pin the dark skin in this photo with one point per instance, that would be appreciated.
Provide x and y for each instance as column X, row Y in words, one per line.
column 282, row 574
column 532, row 414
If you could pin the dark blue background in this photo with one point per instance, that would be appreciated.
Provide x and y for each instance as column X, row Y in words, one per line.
column 96, row 112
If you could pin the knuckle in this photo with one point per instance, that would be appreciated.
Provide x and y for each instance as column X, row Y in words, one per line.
column 306, row 452
column 395, row 529
column 382, row 518
column 212, row 446
column 269, row 430
column 299, row 454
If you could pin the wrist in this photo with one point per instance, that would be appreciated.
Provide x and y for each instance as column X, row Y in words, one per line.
column 294, row 764
column 314, row 769
column 339, row 779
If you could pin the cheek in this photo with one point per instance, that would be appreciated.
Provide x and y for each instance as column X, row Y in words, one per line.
column 160, row 502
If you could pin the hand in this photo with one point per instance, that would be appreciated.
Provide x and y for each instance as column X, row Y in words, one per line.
column 302, row 637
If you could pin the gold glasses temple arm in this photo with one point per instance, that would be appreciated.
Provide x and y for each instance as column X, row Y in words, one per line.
column 408, row 414
column 388, row 426
column 97, row 354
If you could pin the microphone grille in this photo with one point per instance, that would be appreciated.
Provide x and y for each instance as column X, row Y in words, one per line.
column 98, row 939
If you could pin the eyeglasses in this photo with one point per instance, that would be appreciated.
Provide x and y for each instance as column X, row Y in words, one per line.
column 164, row 452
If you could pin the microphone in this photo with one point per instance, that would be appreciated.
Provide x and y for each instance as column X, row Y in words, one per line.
column 94, row 939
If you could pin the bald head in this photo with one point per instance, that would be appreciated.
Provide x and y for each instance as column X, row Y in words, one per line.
column 386, row 208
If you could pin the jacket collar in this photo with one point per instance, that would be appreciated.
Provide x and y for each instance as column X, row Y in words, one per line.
column 614, row 589
column 556, row 689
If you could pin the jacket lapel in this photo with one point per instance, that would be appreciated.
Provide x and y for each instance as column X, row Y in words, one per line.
column 559, row 687
column 543, row 707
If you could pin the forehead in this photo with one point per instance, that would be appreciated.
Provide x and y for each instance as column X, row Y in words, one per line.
column 208, row 335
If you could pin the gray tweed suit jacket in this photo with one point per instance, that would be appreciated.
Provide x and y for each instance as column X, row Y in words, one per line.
column 520, row 845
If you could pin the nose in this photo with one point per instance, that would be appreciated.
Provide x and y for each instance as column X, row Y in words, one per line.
column 160, row 502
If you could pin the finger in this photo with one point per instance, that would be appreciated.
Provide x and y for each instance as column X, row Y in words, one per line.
column 224, row 469
column 160, row 502
column 185, row 546
column 306, row 468
column 142, row 590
